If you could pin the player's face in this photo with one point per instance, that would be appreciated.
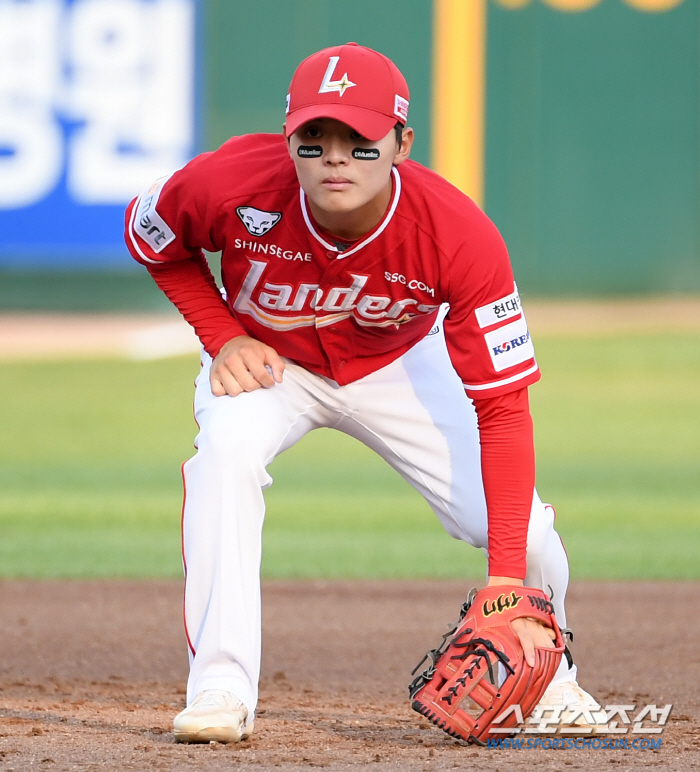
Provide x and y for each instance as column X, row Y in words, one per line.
column 346, row 177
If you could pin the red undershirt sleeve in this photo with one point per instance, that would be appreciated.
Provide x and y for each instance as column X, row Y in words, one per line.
column 508, row 470
column 190, row 286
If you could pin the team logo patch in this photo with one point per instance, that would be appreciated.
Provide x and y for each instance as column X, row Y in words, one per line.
column 510, row 345
column 257, row 221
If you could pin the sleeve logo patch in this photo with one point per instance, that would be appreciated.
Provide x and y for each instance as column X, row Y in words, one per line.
column 499, row 310
column 257, row 221
column 510, row 345
column 148, row 224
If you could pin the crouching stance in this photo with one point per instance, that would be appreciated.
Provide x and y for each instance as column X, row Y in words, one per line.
column 363, row 293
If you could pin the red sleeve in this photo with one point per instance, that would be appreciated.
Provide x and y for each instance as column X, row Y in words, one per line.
column 508, row 470
column 182, row 273
column 191, row 287
column 486, row 331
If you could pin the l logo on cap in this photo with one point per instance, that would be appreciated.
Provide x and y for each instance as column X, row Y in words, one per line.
column 328, row 86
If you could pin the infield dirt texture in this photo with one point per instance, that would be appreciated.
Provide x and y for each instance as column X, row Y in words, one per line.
column 92, row 672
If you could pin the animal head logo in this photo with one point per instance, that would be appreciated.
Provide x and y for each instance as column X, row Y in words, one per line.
column 256, row 221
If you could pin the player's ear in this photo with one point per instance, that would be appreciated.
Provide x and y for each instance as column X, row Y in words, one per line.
column 404, row 151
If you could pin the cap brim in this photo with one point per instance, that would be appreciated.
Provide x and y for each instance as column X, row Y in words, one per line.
column 372, row 125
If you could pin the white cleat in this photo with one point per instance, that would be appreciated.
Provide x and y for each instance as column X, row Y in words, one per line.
column 575, row 711
column 213, row 716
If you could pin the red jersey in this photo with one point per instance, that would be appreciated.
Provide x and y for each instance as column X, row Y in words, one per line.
column 342, row 313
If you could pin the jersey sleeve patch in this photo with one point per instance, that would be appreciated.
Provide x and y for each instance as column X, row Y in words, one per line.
column 148, row 224
column 510, row 345
column 500, row 310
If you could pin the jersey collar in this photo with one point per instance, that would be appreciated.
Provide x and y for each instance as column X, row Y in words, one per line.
column 362, row 242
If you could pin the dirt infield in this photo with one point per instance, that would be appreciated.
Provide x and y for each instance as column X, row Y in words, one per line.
column 91, row 673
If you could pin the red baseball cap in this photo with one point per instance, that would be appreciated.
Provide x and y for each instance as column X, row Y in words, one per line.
column 352, row 84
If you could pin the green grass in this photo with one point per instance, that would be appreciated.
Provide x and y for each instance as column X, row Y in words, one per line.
column 618, row 440
column 90, row 480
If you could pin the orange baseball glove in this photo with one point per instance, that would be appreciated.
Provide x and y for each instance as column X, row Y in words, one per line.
column 478, row 673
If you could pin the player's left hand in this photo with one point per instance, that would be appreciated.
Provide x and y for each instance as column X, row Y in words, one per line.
column 531, row 633
column 245, row 364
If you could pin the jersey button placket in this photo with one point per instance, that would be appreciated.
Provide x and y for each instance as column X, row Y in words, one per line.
column 333, row 342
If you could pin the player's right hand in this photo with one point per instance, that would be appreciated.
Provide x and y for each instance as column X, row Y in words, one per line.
column 245, row 364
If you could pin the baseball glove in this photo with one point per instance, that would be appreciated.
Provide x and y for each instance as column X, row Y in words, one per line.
column 478, row 679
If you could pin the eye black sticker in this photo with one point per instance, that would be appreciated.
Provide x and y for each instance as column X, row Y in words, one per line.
column 365, row 154
column 309, row 151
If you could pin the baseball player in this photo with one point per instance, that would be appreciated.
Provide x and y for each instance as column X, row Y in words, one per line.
column 362, row 292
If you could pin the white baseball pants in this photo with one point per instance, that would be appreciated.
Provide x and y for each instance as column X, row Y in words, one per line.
column 413, row 413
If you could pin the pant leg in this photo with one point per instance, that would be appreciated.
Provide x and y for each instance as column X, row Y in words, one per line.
column 415, row 414
column 222, row 524
column 548, row 569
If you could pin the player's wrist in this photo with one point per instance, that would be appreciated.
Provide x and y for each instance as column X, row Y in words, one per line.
column 494, row 581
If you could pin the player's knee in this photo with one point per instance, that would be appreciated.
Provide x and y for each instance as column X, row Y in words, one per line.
column 232, row 439
column 464, row 517
column 469, row 529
